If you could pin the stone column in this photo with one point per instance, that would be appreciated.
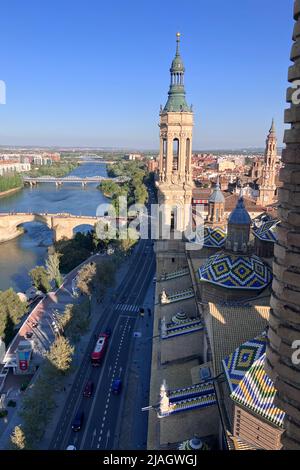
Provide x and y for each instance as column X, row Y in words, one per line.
column 284, row 323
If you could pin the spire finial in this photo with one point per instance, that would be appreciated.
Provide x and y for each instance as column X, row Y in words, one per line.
column 272, row 129
column 177, row 41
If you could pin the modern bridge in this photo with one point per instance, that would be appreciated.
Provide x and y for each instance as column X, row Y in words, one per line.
column 32, row 181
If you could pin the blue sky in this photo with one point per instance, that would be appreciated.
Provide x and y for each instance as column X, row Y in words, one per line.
column 94, row 72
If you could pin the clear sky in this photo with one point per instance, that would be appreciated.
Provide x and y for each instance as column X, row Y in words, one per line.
column 94, row 72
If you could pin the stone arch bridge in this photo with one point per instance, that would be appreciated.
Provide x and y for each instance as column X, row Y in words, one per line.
column 61, row 224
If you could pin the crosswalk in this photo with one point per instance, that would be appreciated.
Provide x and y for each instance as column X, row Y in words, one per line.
column 127, row 308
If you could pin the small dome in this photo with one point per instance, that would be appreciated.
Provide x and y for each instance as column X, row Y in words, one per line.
column 217, row 195
column 236, row 272
column 240, row 215
column 177, row 64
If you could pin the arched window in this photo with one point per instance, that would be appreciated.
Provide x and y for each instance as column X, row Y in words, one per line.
column 175, row 154
column 187, row 154
column 164, row 154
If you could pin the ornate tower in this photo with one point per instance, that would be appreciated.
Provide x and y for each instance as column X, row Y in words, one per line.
column 238, row 231
column 176, row 131
column 282, row 363
column 268, row 186
column 216, row 206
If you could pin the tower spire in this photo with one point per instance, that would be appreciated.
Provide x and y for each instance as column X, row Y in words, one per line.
column 178, row 42
column 176, row 100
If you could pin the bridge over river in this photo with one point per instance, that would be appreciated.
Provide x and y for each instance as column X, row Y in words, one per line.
column 62, row 224
column 32, row 181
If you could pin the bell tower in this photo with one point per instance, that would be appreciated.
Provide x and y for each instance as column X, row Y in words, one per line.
column 268, row 187
column 176, row 131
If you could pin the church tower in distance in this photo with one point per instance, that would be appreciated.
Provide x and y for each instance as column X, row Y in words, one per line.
column 268, row 187
column 176, row 130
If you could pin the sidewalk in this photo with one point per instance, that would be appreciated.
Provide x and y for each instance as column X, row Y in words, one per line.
column 13, row 419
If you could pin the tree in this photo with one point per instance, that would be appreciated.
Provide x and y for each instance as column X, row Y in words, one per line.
column 60, row 354
column 40, row 278
column 18, row 438
column 78, row 319
column 52, row 265
column 105, row 275
column 86, row 279
column 12, row 310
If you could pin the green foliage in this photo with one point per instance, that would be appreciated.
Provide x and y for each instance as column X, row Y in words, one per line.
column 12, row 310
column 37, row 408
column 10, row 181
column 52, row 266
column 105, row 276
column 40, row 278
column 60, row 355
column 86, row 278
column 135, row 190
column 76, row 319
column 57, row 169
column 74, row 251
column 126, row 241
column 18, row 439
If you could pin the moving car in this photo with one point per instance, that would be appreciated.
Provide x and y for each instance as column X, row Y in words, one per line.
column 78, row 420
column 116, row 386
column 88, row 389
column 99, row 349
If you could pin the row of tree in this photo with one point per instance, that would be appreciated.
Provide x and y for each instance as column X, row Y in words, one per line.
column 135, row 190
column 56, row 169
column 38, row 404
column 10, row 181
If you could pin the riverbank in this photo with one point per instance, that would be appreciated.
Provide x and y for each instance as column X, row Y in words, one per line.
column 10, row 191
column 58, row 170
column 15, row 234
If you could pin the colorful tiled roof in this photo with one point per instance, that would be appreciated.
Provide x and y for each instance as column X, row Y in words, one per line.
column 238, row 363
column 192, row 403
column 206, row 388
column 267, row 232
column 229, row 327
column 173, row 275
column 236, row 271
column 256, row 391
column 182, row 329
column 176, row 296
column 214, row 237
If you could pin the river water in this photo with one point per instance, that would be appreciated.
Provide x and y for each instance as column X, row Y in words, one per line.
column 20, row 255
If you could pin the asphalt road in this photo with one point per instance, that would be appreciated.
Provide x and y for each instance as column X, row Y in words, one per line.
column 103, row 410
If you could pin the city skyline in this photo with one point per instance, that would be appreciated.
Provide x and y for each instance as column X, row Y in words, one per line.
column 97, row 79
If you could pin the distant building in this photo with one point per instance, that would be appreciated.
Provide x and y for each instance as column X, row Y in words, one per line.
column 152, row 165
column 133, row 156
column 10, row 167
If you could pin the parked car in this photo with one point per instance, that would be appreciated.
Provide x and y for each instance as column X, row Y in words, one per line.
column 88, row 389
column 116, row 386
column 78, row 420
column 71, row 447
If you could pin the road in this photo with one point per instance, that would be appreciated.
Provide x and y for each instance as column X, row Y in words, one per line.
column 103, row 411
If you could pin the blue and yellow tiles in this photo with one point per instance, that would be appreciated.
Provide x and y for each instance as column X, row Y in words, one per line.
column 236, row 271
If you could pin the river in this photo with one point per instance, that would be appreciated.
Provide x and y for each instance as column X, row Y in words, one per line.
column 20, row 255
